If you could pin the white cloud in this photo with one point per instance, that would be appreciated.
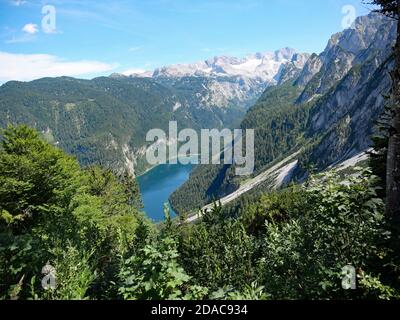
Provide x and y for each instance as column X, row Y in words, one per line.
column 20, row 39
column 18, row 2
column 133, row 71
column 134, row 49
column 25, row 67
column 30, row 28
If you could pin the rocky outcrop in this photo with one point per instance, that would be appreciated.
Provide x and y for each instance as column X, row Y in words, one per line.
column 371, row 35
column 231, row 81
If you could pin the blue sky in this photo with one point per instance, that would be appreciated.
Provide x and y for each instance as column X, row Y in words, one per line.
column 95, row 37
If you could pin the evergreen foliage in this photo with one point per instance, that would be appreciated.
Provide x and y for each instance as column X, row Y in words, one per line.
column 86, row 225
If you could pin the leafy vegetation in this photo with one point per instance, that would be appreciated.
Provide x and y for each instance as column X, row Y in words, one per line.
column 52, row 210
column 86, row 225
column 72, row 232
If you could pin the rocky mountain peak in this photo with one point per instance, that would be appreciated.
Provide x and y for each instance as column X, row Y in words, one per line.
column 263, row 67
column 345, row 50
column 232, row 81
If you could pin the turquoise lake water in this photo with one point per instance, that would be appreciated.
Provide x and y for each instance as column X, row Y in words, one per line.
column 158, row 184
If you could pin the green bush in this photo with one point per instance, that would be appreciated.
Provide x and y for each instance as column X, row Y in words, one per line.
column 51, row 208
column 341, row 224
column 154, row 274
column 218, row 252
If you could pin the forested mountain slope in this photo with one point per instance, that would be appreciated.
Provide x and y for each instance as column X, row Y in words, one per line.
column 100, row 120
column 105, row 120
column 328, row 111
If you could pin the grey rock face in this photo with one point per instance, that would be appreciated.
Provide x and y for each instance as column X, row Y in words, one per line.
column 231, row 81
column 291, row 70
column 345, row 50
column 311, row 68
column 352, row 81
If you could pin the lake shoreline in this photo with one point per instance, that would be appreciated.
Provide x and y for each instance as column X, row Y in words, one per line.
column 157, row 185
column 153, row 167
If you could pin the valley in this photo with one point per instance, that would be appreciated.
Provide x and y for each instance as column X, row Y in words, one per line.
column 329, row 109
column 105, row 120
column 291, row 99
column 300, row 201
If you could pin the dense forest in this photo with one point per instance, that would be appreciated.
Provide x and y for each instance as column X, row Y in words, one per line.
column 84, row 227
column 105, row 120
column 279, row 127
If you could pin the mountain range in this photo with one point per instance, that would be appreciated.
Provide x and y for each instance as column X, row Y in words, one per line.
column 268, row 67
column 322, row 108
column 105, row 120
column 325, row 114
column 231, row 81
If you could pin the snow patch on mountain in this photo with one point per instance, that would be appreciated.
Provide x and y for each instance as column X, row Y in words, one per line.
column 228, row 81
column 262, row 66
